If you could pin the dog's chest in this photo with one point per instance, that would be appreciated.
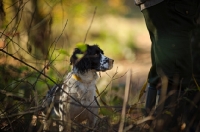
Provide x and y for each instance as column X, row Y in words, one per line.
column 83, row 92
column 86, row 92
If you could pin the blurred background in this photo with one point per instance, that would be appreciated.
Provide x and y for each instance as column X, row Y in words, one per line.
column 37, row 38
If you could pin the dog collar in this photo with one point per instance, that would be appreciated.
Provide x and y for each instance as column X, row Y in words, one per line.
column 77, row 78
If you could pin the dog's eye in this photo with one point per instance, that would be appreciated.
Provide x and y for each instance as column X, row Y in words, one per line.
column 96, row 55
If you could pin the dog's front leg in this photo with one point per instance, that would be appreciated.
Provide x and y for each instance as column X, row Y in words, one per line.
column 61, row 112
column 46, row 121
column 65, row 125
column 64, row 107
column 92, row 122
column 46, row 125
column 93, row 118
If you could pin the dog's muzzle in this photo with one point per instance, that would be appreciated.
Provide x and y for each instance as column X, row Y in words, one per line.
column 105, row 63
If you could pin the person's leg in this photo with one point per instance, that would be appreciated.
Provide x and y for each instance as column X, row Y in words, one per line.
column 153, row 81
column 173, row 56
column 153, row 78
column 170, row 31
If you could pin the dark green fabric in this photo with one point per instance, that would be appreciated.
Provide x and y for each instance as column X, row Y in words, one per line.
column 195, row 43
column 169, row 24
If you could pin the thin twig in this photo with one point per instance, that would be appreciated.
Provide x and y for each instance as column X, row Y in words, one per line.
column 6, row 117
column 22, row 7
column 9, row 94
column 127, row 88
column 90, row 24
column 18, row 114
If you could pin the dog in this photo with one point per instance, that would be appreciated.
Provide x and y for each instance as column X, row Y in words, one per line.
column 74, row 99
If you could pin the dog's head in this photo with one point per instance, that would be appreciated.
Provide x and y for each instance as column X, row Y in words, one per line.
column 91, row 59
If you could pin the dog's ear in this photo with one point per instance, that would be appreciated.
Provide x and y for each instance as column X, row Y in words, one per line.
column 77, row 55
column 74, row 57
column 78, row 59
column 72, row 61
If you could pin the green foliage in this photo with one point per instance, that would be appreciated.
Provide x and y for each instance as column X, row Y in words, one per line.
column 112, row 99
column 63, row 52
column 81, row 46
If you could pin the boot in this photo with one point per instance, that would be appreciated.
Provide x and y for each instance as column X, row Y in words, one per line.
column 151, row 99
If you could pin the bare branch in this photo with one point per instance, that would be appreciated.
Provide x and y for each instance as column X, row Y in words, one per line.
column 126, row 95
column 18, row 114
column 9, row 94
column 2, row 12
column 90, row 24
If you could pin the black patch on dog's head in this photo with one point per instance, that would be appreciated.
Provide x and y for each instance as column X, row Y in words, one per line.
column 90, row 58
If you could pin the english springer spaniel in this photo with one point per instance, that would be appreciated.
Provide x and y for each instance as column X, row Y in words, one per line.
column 74, row 99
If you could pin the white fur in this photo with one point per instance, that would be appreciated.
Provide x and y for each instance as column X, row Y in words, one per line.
column 77, row 93
column 105, row 63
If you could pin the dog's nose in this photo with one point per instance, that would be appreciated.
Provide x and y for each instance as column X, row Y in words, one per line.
column 111, row 61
